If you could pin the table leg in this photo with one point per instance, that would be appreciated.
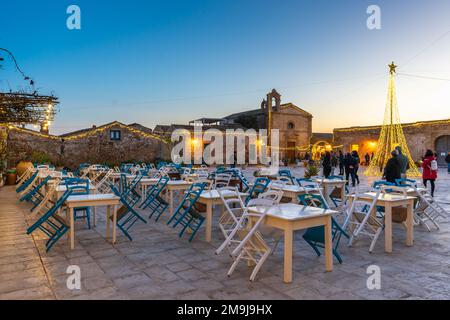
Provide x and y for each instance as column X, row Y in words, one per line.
column 288, row 249
column 114, row 223
column 328, row 246
column 388, row 228
column 208, row 235
column 410, row 224
column 94, row 215
column 171, row 201
column 72, row 229
column 108, row 227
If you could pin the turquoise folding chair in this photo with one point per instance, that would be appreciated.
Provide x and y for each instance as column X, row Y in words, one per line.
column 406, row 183
column 258, row 187
column 51, row 224
column 36, row 195
column 186, row 214
column 315, row 236
column 154, row 201
column 127, row 216
column 27, row 183
column 287, row 173
column 79, row 186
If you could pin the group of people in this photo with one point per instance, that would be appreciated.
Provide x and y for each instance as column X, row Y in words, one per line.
column 396, row 167
column 348, row 165
column 398, row 164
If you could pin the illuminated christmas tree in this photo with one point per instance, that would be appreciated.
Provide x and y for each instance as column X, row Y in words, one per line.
column 391, row 134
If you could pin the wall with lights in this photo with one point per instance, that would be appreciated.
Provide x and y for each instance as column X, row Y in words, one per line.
column 95, row 145
column 420, row 136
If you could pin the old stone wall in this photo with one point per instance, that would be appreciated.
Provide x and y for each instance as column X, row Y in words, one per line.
column 95, row 147
column 419, row 137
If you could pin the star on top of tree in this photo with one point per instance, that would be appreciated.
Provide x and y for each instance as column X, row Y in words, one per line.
column 392, row 68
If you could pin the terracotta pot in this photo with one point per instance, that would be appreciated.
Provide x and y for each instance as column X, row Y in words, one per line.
column 11, row 179
column 22, row 166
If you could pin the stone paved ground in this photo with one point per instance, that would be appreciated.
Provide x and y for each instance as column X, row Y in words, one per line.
column 159, row 265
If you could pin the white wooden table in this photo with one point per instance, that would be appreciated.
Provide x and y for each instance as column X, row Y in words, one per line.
column 173, row 186
column 389, row 201
column 329, row 185
column 111, row 202
column 211, row 198
column 290, row 217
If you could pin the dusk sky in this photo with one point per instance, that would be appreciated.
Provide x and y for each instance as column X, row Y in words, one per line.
column 162, row 62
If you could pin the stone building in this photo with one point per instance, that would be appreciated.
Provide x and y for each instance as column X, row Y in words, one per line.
column 112, row 144
column 294, row 124
column 420, row 136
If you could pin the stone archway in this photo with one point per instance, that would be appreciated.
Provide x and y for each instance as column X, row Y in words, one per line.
column 442, row 147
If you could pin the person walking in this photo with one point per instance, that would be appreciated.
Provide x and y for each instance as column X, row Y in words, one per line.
column 334, row 163
column 326, row 164
column 341, row 163
column 403, row 160
column 367, row 158
column 357, row 162
column 392, row 171
column 349, row 165
column 429, row 172
column 447, row 159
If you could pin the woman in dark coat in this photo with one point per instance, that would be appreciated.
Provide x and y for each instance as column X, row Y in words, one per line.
column 326, row 163
column 349, row 165
column 393, row 169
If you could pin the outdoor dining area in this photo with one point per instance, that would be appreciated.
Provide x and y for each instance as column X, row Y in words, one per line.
column 242, row 218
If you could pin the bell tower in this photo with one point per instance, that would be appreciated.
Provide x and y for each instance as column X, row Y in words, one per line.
column 273, row 101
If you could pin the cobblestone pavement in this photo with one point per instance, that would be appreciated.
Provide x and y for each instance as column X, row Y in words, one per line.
column 159, row 265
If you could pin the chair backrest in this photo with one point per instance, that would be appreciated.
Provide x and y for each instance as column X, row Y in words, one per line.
column 273, row 195
column 312, row 200
column 159, row 186
column 377, row 184
column 258, row 187
column 394, row 189
column 77, row 185
column 362, row 204
column 336, row 177
column 406, row 182
column 222, row 180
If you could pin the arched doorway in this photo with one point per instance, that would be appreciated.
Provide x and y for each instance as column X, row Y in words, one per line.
column 442, row 149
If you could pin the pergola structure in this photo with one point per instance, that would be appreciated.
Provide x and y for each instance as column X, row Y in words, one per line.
column 22, row 108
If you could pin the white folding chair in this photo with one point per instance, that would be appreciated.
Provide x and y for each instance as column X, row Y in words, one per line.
column 222, row 180
column 362, row 220
column 244, row 241
column 102, row 184
column 428, row 210
column 24, row 177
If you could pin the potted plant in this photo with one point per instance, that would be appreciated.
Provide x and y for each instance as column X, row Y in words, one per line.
column 311, row 171
column 23, row 164
column 40, row 157
column 11, row 177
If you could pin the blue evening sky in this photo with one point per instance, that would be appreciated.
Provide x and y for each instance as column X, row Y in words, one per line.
column 162, row 62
